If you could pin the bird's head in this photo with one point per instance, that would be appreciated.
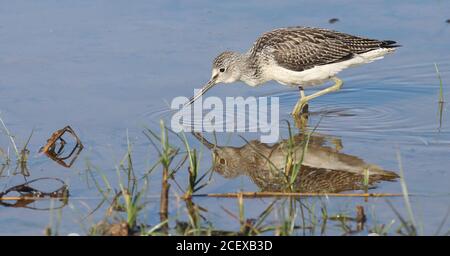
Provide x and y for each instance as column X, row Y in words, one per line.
column 225, row 69
column 227, row 161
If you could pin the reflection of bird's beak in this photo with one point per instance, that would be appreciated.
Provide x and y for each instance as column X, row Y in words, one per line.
column 202, row 91
column 202, row 139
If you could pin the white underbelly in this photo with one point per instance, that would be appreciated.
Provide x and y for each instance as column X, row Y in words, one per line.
column 320, row 74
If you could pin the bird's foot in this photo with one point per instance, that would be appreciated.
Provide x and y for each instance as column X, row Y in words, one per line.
column 301, row 114
column 300, row 108
column 301, row 121
column 304, row 109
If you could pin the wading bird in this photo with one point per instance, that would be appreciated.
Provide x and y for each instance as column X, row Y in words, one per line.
column 297, row 56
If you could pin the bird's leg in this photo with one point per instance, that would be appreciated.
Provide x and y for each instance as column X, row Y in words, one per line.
column 304, row 107
column 303, row 101
column 302, row 92
column 301, row 121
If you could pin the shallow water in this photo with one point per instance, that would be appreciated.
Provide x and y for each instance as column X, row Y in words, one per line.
column 110, row 69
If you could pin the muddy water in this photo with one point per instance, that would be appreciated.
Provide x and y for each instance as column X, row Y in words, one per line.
column 110, row 69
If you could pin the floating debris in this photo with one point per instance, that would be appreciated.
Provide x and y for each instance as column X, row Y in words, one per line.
column 54, row 148
column 23, row 194
column 263, row 194
column 333, row 20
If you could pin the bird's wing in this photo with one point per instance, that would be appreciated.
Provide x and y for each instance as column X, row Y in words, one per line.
column 301, row 48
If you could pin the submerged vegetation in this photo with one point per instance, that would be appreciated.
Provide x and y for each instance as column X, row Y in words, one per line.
column 297, row 177
column 441, row 96
column 292, row 208
column 371, row 160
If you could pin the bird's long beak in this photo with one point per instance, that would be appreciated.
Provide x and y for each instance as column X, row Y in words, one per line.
column 202, row 91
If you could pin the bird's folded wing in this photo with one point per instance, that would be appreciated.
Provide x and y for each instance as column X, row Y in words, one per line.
column 306, row 55
column 302, row 48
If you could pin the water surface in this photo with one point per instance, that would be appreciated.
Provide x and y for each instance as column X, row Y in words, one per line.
column 110, row 68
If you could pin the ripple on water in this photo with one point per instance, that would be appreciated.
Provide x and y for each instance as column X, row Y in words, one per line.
column 378, row 102
column 366, row 111
column 361, row 112
column 158, row 113
column 236, row 119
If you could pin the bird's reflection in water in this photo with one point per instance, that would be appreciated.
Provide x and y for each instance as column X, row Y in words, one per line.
column 324, row 168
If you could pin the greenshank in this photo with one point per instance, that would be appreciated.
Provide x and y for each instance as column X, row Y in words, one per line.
column 297, row 56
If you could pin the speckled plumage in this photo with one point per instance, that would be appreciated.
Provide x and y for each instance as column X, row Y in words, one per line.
column 296, row 56
column 290, row 55
column 222, row 59
column 324, row 169
column 302, row 48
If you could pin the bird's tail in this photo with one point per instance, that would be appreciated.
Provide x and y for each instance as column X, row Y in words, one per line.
column 389, row 44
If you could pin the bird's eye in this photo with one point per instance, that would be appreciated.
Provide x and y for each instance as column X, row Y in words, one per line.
column 222, row 70
column 222, row 161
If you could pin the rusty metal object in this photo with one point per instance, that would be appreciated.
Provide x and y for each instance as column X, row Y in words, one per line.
column 56, row 144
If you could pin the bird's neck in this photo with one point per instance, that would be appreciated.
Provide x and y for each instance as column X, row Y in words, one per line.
column 250, row 72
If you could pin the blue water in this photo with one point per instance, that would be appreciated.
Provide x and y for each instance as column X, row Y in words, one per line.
column 108, row 68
